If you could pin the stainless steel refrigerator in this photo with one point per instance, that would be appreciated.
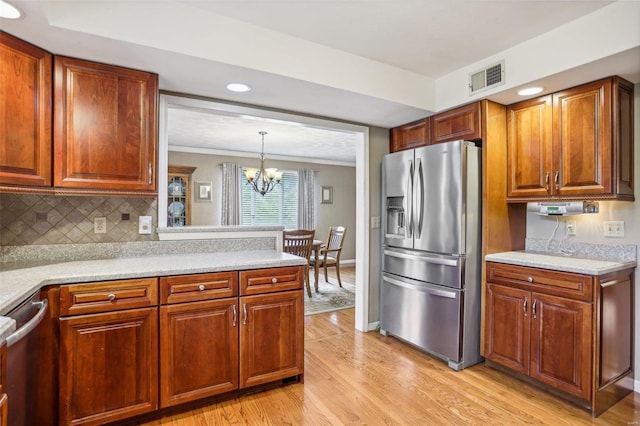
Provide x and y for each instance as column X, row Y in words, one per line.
column 430, row 285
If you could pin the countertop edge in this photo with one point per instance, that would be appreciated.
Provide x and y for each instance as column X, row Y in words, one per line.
column 579, row 265
column 18, row 284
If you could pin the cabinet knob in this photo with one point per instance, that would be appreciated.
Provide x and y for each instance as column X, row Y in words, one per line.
column 274, row 280
column 530, row 279
column 201, row 287
column 111, row 297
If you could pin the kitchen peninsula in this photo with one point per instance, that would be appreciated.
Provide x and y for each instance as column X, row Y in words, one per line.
column 108, row 318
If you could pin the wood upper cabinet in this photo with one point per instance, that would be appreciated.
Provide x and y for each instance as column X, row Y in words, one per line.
column 572, row 144
column 570, row 331
column 410, row 135
column 108, row 359
column 25, row 111
column 458, row 123
column 104, row 126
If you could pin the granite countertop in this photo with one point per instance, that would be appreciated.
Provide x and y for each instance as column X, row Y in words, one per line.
column 20, row 281
column 578, row 264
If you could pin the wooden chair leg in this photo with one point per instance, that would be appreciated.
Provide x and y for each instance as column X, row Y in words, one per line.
column 307, row 280
column 338, row 274
column 326, row 276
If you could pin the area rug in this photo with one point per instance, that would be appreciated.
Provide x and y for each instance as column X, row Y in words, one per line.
column 330, row 297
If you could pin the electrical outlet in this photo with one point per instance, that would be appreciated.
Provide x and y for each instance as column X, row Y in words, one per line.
column 571, row 227
column 100, row 225
column 614, row 228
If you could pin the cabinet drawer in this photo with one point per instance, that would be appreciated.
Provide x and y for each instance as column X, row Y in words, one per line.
column 195, row 287
column 258, row 281
column 76, row 299
column 564, row 284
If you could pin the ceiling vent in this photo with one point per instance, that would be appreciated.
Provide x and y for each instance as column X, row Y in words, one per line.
column 486, row 78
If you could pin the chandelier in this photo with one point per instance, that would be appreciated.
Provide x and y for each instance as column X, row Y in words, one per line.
column 263, row 180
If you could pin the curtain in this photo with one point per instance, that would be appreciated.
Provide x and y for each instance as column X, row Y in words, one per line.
column 231, row 194
column 306, row 199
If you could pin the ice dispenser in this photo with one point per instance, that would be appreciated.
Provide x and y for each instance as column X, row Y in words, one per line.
column 395, row 216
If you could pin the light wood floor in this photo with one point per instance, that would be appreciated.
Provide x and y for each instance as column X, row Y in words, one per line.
column 364, row 378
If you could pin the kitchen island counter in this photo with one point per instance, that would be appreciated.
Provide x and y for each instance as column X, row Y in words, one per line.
column 19, row 282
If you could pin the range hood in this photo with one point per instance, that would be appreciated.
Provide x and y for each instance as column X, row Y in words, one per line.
column 562, row 208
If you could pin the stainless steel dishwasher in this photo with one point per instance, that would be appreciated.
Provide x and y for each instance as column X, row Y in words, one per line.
column 22, row 361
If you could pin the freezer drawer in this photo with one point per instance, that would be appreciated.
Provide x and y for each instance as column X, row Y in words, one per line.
column 432, row 268
column 427, row 316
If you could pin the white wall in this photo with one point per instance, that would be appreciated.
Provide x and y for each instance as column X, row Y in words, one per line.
column 589, row 228
column 341, row 212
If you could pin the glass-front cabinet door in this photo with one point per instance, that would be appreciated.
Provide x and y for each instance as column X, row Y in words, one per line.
column 179, row 195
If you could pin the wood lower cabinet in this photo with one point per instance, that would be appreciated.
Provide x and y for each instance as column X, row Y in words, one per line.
column 571, row 332
column 271, row 337
column 199, row 352
column 108, row 359
column 104, row 126
column 572, row 144
column 25, row 108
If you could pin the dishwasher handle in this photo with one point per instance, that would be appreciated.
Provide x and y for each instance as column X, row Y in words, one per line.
column 17, row 335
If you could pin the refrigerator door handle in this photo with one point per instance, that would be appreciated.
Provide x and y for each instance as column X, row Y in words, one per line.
column 446, row 262
column 420, row 196
column 409, row 198
column 432, row 291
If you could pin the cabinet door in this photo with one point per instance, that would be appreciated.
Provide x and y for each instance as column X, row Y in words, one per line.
column 507, row 333
column 529, row 148
column 561, row 343
column 198, row 350
column 271, row 337
column 104, row 126
column 582, row 139
column 458, row 123
column 25, row 111
column 108, row 366
column 410, row 135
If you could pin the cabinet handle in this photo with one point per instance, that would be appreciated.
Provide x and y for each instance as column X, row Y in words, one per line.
column 235, row 315
column 556, row 179
column 546, row 181
column 111, row 297
column 274, row 280
column 201, row 287
column 244, row 310
column 150, row 173
column 530, row 279
column 524, row 307
column 533, row 308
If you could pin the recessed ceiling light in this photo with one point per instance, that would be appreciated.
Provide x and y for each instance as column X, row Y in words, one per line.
column 530, row 91
column 8, row 11
column 238, row 87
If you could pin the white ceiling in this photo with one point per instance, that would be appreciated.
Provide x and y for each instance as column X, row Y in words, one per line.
column 375, row 62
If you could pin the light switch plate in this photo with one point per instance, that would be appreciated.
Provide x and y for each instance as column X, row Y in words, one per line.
column 375, row 222
column 614, row 228
column 144, row 225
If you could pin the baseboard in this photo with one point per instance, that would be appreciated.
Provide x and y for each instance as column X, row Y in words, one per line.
column 347, row 262
column 373, row 326
column 636, row 385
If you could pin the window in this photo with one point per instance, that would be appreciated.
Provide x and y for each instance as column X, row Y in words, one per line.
column 278, row 207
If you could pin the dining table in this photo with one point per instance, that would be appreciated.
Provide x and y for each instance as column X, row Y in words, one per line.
column 316, row 246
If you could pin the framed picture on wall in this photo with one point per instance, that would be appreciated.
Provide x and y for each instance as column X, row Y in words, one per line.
column 203, row 192
column 327, row 194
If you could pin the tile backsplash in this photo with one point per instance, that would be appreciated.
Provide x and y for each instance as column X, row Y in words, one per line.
column 47, row 219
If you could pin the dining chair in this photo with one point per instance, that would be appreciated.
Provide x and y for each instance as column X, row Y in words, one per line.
column 329, row 255
column 300, row 242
